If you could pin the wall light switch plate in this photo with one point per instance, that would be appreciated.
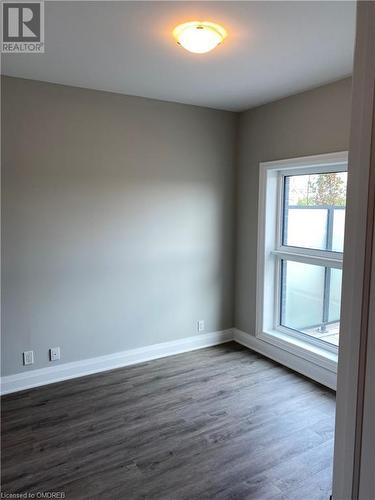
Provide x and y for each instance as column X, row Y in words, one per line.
column 201, row 325
column 28, row 357
column 54, row 353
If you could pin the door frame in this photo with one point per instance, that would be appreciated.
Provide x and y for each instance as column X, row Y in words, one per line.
column 352, row 434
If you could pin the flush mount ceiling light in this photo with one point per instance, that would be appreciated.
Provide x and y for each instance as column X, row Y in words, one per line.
column 199, row 37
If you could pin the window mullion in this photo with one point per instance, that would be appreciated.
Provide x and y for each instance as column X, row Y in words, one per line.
column 309, row 259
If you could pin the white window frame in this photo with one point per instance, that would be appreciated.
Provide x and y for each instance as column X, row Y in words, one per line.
column 271, row 251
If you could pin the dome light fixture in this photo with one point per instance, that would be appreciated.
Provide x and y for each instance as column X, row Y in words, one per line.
column 199, row 37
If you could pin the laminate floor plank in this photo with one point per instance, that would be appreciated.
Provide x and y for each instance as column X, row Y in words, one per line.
column 216, row 423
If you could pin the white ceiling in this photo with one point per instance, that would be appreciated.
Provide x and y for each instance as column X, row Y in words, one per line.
column 273, row 49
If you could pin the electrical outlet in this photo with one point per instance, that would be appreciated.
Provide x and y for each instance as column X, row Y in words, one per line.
column 28, row 357
column 201, row 325
column 54, row 353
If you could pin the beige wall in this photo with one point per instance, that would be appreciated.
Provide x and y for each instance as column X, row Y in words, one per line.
column 310, row 123
column 118, row 221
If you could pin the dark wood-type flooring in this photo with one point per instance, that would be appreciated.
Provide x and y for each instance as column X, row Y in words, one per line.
column 217, row 423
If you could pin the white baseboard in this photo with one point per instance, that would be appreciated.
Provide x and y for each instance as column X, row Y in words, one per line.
column 66, row 371
column 301, row 365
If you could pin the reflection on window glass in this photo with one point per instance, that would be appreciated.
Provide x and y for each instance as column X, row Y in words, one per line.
column 310, row 300
column 314, row 211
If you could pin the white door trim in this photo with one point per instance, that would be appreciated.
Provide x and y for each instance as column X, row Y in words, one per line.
column 349, row 481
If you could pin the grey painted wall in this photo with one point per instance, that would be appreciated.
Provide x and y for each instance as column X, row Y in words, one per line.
column 118, row 221
column 310, row 123
column 119, row 213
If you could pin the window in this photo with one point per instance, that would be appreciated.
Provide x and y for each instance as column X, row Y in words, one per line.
column 300, row 248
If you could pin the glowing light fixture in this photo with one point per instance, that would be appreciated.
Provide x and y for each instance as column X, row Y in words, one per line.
column 199, row 37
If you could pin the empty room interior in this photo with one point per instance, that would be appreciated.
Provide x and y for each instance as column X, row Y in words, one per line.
column 179, row 181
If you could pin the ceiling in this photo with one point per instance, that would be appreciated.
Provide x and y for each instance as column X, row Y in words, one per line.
column 273, row 49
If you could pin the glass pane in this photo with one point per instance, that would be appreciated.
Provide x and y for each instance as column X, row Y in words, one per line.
column 314, row 211
column 310, row 300
column 306, row 227
column 335, row 295
column 302, row 295
column 338, row 229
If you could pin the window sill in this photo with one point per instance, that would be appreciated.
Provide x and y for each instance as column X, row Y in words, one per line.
column 317, row 355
